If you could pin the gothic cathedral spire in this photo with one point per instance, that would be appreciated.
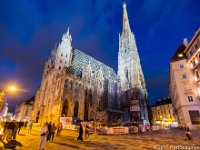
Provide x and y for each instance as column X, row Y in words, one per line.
column 126, row 26
column 130, row 72
column 129, row 67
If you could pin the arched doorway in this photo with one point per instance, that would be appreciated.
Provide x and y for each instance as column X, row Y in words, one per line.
column 65, row 108
column 76, row 106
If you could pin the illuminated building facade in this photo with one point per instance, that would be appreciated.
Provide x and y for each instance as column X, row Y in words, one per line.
column 163, row 112
column 76, row 85
column 23, row 111
column 184, row 82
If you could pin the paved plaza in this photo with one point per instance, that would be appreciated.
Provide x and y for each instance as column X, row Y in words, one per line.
column 166, row 139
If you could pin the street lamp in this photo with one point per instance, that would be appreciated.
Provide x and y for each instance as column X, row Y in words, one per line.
column 11, row 88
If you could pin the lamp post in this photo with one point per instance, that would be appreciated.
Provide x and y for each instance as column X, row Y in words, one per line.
column 3, row 92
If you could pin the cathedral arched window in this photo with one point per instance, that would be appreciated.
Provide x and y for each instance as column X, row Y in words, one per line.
column 197, row 74
column 65, row 108
column 61, row 54
column 59, row 68
column 70, row 85
column 127, row 77
column 90, row 98
column 76, row 107
column 66, row 84
column 76, row 88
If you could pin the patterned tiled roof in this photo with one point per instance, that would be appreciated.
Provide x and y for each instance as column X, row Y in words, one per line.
column 80, row 62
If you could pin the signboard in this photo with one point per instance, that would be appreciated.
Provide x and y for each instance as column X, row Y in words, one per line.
column 66, row 122
column 118, row 130
column 134, row 105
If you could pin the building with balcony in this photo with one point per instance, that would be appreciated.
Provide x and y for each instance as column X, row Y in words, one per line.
column 183, row 83
column 163, row 112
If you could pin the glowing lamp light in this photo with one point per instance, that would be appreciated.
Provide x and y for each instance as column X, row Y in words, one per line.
column 195, row 78
column 180, row 55
column 196, row 61
column 12, row 88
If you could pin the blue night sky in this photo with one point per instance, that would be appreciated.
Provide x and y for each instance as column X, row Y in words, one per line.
column 29, row 30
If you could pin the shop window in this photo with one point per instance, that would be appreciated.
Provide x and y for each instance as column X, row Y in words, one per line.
column 194, row 116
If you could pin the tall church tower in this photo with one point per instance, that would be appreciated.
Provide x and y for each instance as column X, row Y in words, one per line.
column 63, row 54
column 130, row 73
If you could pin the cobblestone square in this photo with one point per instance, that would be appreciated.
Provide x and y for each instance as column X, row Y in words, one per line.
column 165, row 139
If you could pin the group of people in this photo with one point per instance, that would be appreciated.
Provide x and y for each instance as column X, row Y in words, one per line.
column 87, row 132
column 11, row 128
column 47, row 133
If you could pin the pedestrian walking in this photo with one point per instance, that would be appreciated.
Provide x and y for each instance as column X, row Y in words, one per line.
column 30, row 126
column 43, row 136
column 49, row 131
column 25, row 124
column 53, row 129
column 80, row 136
column 7, row 131
column 11, row 127
column 60, row 127
column 21, row 124
column 188, row 133
column 16, row 126
column 87, row 131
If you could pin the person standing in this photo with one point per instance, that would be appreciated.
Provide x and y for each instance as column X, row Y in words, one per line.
column 30, row 126
column 188, row 133
column 59, row 129
column 53, row 129
column 11, row 127
column 25, row 124
column 80, row 137
column 20, row 126
column 87, row 131
column 6, row 131
column 16, row 126
column 49, row 131
column 43, row 136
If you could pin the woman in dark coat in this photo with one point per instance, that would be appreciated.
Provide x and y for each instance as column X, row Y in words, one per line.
column 80, row 137
column 188, row 133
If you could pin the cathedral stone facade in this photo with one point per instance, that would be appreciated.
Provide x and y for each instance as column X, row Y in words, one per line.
column 76, row 85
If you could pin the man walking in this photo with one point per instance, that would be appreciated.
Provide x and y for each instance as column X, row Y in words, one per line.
column 80, row 137
column 49, row 131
